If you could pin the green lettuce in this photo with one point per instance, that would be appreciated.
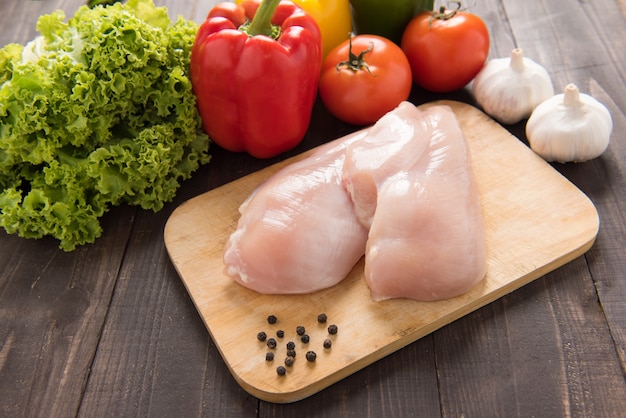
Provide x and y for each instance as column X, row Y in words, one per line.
column 95, row 112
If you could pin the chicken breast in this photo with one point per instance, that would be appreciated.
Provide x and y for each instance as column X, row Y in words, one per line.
column 394, row 143
column 427, row 237
column 297, row 232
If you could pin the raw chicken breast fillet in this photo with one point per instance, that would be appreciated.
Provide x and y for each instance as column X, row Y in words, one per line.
column 394, row 143
column 427, row 237
column 298, row 232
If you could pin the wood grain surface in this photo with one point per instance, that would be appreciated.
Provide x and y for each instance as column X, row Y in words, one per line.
column 536, row 221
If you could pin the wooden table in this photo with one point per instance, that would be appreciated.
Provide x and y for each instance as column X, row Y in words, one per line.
column 109, row 329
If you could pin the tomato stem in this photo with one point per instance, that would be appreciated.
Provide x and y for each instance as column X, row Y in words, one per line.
column 444, row 13
column 356, row 62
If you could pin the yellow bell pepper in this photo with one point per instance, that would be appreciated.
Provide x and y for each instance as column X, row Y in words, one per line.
column 333, row 18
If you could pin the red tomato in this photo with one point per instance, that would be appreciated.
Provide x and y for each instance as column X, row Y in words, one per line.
column 363, row 78
column 446, row 49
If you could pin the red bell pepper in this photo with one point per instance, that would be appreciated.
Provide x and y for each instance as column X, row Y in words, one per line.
column 255, row 72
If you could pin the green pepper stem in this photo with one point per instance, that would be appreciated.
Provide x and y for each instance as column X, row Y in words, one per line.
column 262, row 22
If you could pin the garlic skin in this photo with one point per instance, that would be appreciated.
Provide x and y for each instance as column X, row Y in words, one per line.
column 569, row 127
column 508, row 89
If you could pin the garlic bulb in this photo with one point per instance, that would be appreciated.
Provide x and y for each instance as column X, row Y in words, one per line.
column 569, row 127
column 508, row 89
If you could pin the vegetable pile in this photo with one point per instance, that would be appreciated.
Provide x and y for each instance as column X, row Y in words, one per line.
column 95, row 112
column 443, row 50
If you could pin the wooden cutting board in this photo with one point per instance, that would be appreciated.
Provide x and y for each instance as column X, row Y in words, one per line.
column 536, row 221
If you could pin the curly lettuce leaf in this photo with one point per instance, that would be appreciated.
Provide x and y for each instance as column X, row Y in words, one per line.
column 96, row 111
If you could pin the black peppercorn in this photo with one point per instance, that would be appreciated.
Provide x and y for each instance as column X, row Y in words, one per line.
column 305, row 338
column 291, row 345
column 291, row 353
column 311, row 356
column 289, row 361
column 261, row 336
column 327, row 343
column 300, row 330
column 269, row 356
column 271, row 343
column 332, row 329
column 280, row 333
column 272, row 319
column 321, row 318
column 281, row 370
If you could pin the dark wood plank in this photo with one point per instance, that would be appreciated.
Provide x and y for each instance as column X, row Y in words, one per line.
column 18, row 18
column 155, row 356
column 558, row 361
column 404, row 384
column 606, row 260
column 192, row 10
column 53, row 306
column 596, row 385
